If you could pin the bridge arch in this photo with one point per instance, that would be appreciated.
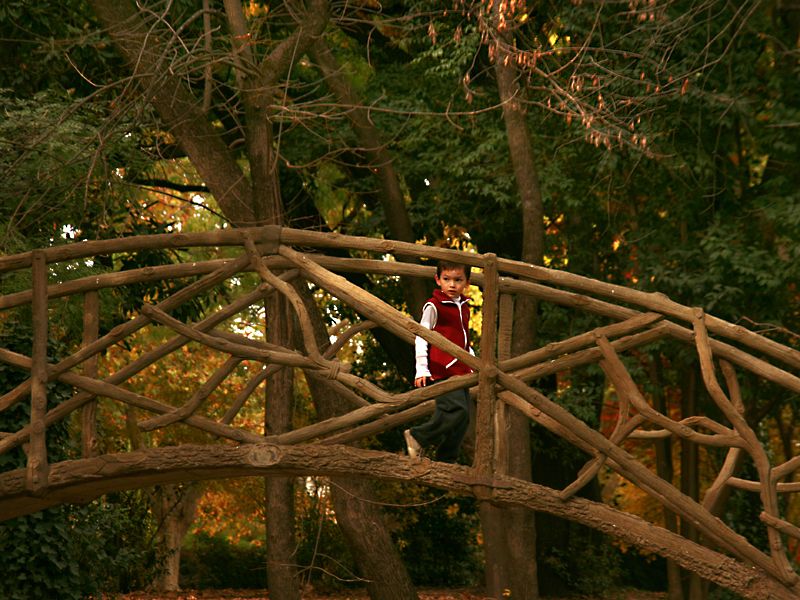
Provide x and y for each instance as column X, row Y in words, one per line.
column 280, row 257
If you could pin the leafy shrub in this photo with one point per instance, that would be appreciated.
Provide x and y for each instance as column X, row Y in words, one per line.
column 115, row 543
column 36, row 558
column 643, row 571
column 439, row 543
column 587, row 564
column 214, row 562
column 75, row 551
column 68, row 551
column 327, row 564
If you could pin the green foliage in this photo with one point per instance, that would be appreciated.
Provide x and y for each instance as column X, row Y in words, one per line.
column 69, row 551
column 213, row 562
column 742, row 512
column 465, row 178
column 438, row 539
column 584, row 394
column 77, row 551
column 38, row 553
column 114, row 541
column 334, row 200
column 42, row 42
column 588, row 564
column 59, row 166
column 643, row 571
column 327, row 564
column 16, row 335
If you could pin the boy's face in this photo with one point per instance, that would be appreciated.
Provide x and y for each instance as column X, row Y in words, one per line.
column 452, row 282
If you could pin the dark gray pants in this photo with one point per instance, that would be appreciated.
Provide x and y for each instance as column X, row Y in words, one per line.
column 447, row 425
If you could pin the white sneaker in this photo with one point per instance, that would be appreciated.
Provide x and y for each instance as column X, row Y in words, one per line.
column 412, row 445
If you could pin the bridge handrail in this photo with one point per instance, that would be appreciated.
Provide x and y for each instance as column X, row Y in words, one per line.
column 273, row 235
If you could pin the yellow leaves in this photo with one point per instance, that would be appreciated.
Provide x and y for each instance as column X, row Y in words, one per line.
column 255, row 9
column 151, row 297
column 175, row 378
column 233, row 507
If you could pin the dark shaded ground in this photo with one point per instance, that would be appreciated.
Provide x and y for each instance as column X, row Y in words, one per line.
column 454, row 594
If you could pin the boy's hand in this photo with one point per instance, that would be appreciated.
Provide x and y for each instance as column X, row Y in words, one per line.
column 420, row 382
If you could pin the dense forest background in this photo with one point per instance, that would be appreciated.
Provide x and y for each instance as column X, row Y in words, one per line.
column 650, row 143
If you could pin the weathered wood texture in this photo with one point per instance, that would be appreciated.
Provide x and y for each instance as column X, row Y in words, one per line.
column 37, row 440
column 283, row 258
column 82, row 480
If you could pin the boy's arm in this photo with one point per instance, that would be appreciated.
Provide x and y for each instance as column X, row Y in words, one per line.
column 428, row 321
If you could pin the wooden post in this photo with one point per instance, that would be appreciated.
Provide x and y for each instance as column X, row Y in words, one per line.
column 36, row 476
column 487, row 378
column 91, row 329
column 501, row 409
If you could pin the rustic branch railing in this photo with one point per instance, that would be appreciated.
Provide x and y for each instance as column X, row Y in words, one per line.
column 285, row 260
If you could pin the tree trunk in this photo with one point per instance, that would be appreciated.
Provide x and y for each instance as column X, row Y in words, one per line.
column 509, row 558
column 267, row 208
column 257, row 84
column 363, row 526
column 690, row 482
column 379, row 161
column 182, row 113
column 282, row 575
column 665, row 471
column 362, row 522
column 174, row 508
column 360, row 519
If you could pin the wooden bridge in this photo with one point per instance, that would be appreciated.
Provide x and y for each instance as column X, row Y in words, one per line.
column 283, row 257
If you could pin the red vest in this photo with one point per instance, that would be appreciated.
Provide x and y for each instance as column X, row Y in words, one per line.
column 454, row 325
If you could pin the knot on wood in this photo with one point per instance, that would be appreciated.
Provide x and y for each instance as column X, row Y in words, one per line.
column 264, row 455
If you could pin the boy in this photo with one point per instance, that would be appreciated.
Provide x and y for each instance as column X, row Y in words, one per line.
column 447, row 312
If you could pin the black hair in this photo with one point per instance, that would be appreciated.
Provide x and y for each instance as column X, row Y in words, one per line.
column 446, row 265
